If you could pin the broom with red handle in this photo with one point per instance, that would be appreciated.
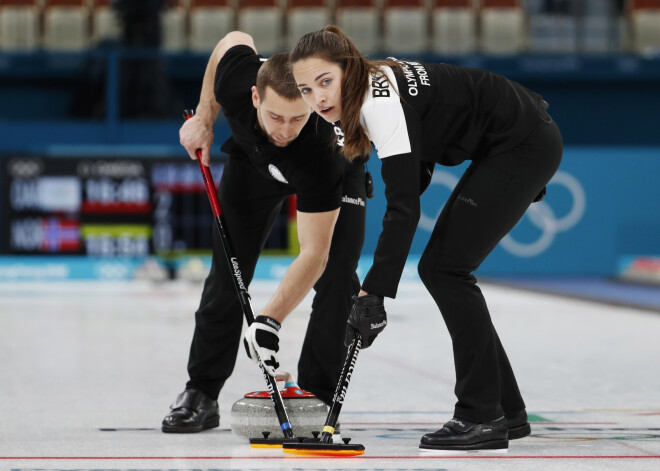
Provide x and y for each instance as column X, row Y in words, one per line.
column 241, row 289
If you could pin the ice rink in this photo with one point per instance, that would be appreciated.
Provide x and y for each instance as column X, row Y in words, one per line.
column 88, row 370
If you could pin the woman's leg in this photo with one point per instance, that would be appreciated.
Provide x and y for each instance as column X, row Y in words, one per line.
column 490, row 199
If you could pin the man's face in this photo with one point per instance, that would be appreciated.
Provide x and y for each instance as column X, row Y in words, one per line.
column 281, row 119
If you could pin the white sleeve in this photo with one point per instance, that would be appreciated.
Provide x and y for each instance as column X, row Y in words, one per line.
column 383, row 119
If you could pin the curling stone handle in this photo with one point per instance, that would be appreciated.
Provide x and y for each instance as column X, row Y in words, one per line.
column 287, row 377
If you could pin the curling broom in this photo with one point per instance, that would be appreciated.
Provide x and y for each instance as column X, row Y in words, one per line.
column 325, row 446
column 244, row 298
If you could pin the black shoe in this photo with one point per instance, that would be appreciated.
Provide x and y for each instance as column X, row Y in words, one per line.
column 459, row 434
column 518, row 425
column 192, row 412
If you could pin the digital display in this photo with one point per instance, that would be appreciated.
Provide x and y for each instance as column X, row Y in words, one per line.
column 108, row 207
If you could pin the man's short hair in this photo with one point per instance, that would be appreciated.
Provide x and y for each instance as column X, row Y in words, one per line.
column 275, row 73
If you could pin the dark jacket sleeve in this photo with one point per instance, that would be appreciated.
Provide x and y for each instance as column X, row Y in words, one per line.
column 235, row 75
column 401, row 175
column 318, row 182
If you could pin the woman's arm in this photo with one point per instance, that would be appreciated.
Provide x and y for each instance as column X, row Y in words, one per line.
column 401, row 176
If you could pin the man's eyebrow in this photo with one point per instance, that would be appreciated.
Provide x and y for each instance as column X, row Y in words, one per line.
column 276, row 115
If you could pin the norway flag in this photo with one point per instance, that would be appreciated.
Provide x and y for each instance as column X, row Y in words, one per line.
column 60, row 235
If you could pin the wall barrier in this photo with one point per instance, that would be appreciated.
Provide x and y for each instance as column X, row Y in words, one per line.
column 601, row 208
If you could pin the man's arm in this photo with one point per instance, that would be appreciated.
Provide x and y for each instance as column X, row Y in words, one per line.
column 315, row 235
column 197, row 132
column 261, row 340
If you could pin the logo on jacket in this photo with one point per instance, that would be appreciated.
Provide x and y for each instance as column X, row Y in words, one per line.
column 340, row 136
column 380, row 86
column 356, row 201
column 277, row 175
column 410, row 76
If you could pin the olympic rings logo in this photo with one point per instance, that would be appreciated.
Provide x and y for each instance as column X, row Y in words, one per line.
column 540, row 214
column 543, row 217
column 111, row 270
column 25, row 168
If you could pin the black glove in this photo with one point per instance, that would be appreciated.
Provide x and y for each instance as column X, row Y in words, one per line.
column 262, row 342
column 368, row 317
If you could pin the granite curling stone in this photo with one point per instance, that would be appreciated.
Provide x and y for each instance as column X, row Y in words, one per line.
column 254, row 414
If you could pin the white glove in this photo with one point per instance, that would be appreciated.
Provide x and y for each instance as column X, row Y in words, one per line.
column 262, row 342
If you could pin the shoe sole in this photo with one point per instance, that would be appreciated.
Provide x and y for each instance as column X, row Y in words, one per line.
column 483, row 453
column 521, row 431
column 211, row 422
column 493, row 446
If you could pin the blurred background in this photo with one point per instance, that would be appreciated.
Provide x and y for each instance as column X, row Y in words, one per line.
column 96, row 186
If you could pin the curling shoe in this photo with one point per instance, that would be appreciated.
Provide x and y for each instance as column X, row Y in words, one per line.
column 462, row 435
column 518, row 425
column 192, row 412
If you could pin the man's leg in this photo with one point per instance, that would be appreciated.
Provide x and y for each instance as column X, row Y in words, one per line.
column 323, row 352
column 250, row 205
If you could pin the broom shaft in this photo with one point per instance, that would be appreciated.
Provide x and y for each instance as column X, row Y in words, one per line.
column 342, row 387
column 241, row 289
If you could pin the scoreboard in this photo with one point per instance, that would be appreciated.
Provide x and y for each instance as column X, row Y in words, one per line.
column 128, row 207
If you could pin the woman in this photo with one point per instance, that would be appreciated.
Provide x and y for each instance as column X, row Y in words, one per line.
column 418, row 114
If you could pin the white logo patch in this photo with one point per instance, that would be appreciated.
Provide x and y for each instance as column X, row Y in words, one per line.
column 382, row 116
column 356, row 201
column 340, row 136
column 277, row 175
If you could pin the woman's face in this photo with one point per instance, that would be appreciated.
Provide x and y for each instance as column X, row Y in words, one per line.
column 319, row 82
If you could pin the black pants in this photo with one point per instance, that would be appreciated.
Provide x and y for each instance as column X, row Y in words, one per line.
column 491, row 197
column 250, row 204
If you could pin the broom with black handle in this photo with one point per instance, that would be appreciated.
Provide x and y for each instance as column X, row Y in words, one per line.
column 326, row 447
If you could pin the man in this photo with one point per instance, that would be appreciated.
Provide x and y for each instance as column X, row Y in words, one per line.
column 275, row 150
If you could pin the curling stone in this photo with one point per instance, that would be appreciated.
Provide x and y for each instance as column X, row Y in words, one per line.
column 152, row 270
column 193, row 270
column 254, row 414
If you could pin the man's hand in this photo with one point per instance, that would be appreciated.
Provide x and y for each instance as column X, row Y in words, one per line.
column 197, row 133
column 368, row 317
column 262, row 341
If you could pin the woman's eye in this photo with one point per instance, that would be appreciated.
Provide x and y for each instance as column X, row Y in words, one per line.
column 325, row 82
column 304, row 90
